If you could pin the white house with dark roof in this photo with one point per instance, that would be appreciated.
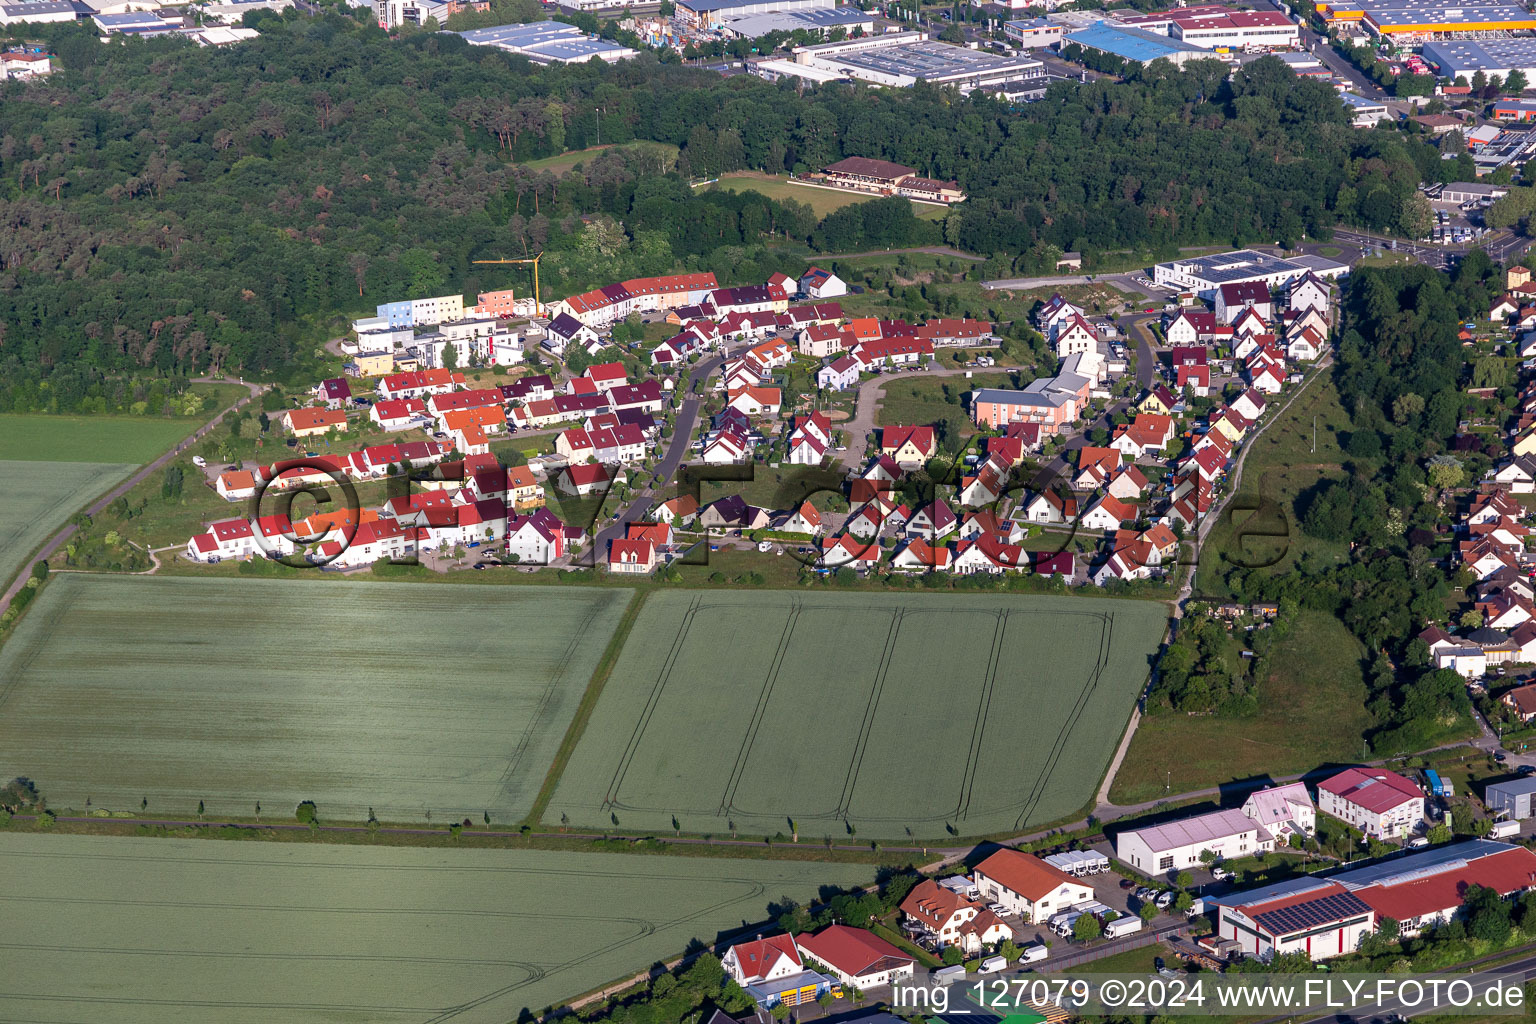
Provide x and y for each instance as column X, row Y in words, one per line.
column 1179, row 845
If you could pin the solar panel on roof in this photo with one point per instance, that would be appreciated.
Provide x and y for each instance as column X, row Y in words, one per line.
column 1321, row 911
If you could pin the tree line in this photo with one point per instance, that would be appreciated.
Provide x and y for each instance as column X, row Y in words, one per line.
column 173, row 209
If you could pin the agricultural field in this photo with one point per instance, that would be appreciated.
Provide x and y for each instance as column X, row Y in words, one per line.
column 36, row 498
column 821, row 200
column 414, row 700
column 888, row 715
column 117, row 439
column 161, row 931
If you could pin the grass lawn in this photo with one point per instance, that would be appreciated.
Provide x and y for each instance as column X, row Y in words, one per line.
column 914, row 398
column 36, row 498
column 1140, row 960
column 1312, row 710
column 117, row 931
column 406, row 698
column 827, row 713
column 666, row 154
column 821, row 200
column 99, row 439
column 1260, row 526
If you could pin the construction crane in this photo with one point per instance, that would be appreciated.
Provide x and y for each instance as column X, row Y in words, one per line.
column 538, row 304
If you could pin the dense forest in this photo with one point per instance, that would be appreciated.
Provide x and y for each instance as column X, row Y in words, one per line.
column 169, row 209
column 1402, row 376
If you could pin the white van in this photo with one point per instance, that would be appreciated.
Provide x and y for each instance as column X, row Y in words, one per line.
column 949, row 975
column 993, row 964
column 199, row 461
column 1034, row 953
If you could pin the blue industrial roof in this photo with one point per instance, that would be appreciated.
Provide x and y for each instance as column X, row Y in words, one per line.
column 1130, row 43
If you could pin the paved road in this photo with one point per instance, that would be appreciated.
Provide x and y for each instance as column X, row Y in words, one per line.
column 677, row 452
column 95, row 508
column 935, row 250
column 862, row 423
column 1124, row 282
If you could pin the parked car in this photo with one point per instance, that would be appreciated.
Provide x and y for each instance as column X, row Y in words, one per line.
column 1164, row 900
column 1221, row 874
column 199, row 461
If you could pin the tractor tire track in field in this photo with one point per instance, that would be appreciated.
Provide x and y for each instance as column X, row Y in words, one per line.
column 983, row 711
column 755, row 890
column 728, row 798
column 856, row 762
column 1054, row 757
column 536, row 721
column 644, row 718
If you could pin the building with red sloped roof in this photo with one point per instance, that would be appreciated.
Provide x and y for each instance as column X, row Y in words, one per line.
column 1380, row 803
column 1027, row 886
column 752, row 963
column 856, row 957
column 631, row 556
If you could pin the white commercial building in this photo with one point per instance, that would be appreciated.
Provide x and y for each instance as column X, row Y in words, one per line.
column 1191, row 842
column 1204, row 275
column 1380, row 803
column 1025, row 885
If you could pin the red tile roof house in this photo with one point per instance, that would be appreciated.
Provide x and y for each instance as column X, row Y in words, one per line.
column 236, row 485
column 232, row 538
column 949, row 919
column 772, row 972
column 397, row 413
column 908, row 447
column 584, row 480
column 631, row 557
column 1380, row 803
column 855, row 957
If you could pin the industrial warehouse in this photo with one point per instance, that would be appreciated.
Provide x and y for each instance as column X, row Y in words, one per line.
column 1466, row 57
column 1136, row 45
column 1412, row 21
column 902, row 58
column 1204, row 275
column 548, row 42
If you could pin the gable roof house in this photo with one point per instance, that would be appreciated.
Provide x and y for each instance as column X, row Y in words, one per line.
column 855, row 957
column 1233, row 298
column 947, row 918
column 908, row 447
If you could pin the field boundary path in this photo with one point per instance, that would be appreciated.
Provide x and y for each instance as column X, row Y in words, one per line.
column 95, row 508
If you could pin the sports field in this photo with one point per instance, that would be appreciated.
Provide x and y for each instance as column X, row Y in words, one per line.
column 406, row 698
column 36, row 498
column 895, row 714
column 135, row 439
column 821, row 200
column 173, row 931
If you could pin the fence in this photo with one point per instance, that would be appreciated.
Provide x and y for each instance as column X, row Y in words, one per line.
column 1109, row 949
